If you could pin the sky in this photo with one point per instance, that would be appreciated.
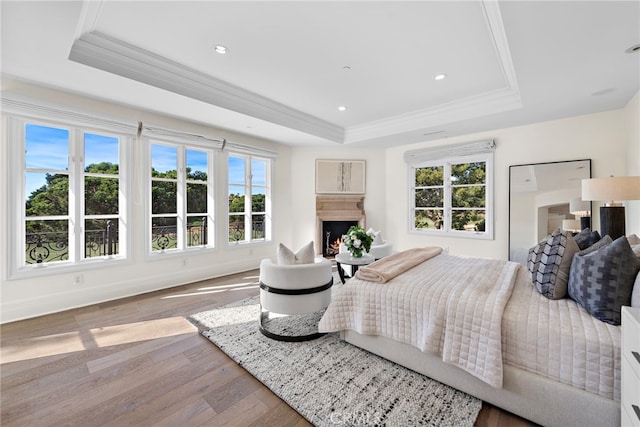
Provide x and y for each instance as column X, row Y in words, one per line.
column 47, row 151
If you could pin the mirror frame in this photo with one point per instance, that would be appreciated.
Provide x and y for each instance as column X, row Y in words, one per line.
column 511, row 168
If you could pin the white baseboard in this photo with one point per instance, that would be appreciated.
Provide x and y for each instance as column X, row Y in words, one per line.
column 39, row 305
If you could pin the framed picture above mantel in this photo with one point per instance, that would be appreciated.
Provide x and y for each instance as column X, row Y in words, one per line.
column 340, row 176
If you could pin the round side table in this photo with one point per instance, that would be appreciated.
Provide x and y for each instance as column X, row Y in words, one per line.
column 347, row 259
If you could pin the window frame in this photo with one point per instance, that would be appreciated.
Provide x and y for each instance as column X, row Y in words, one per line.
column 77, row 127
column 248, row 207
column 182, row 146
column 447, row 230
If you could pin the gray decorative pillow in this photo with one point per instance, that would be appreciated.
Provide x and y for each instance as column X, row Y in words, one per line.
column 602, row 281
column 586, row 238
column 606, row 240
column 533, row 259
column 549, row 263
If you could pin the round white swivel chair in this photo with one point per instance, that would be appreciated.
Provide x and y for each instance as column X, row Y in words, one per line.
column 381, row 251
column 293, row 298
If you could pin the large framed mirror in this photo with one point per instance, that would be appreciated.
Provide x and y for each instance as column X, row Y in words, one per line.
column 541, row 197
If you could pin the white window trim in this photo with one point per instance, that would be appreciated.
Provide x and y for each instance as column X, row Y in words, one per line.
column 268, row 231
column 182, row 144
column 481, row 151
column 21, row 113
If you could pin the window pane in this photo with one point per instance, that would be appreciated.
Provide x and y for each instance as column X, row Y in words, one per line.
column 430, row 198
column 257, row 201
column 163, row 197
column 236, row 199
column 196, row 231
column 101, row 237
column 196, row 165
column 46, row 241
column 257, row 227
column 236, row 170
column 196, row 198
column 469, row 173
column 100, row 154
column 101, row 195
column 164, row 161
column 163, row 234
column 469, row 197
column 259, row 172
column 468, row 220
column 429, row 219
column 236, row 228
column 429, row 176
column 46, row 147
column 48, row 194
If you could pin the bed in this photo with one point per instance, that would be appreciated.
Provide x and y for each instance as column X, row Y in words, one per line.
column 549, row 361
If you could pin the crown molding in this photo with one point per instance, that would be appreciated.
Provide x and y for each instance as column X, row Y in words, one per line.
column 106, row 53
column 109, row 54
column 504, row 99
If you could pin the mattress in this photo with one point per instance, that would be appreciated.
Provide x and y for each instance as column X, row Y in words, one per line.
column 559, row 340
column 556, row 339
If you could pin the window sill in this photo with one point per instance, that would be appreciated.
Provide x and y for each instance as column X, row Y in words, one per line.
column 39, row 270
column 455, row 234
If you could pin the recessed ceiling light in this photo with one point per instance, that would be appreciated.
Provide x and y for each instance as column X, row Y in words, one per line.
column 346, row 68
column 342, row 108
column 603, row 92
column 220, row 49
column 634, row 48
column 440, row 76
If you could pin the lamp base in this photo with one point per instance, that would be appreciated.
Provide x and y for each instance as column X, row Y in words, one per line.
column 585, row 222
column 612, row 221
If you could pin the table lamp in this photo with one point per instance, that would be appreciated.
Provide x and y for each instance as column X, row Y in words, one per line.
column 581, row 208
column 611, row 190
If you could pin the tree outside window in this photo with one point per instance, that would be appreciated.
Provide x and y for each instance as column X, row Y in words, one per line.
column 71, row 177
column 451, row 197
column 248, row 192
column 180, row 188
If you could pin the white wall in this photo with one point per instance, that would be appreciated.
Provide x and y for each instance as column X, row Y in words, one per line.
column 632, row 117
column 303, row 207
column 611, row 139
column 602, row 137
column 56, row 291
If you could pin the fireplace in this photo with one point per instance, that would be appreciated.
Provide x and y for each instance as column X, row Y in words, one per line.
column 334, row 215
column 332, row 232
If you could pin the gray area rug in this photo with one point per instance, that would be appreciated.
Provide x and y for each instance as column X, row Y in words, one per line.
column 331, row 382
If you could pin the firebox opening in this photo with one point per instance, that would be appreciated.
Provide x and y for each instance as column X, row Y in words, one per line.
column 332, row 232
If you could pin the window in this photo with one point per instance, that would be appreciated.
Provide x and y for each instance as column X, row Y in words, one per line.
column 451, row 195
column 72, row 194
column 181, row 197
column 249, row 199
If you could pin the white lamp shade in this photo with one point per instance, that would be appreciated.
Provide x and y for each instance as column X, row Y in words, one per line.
column 571, row 224
column 612, row 188
column 580, row 207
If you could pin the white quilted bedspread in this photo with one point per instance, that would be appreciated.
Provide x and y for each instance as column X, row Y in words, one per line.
column 448, row 305
column 558, row 339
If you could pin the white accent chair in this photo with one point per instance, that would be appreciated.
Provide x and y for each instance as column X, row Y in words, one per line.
column 293, row 298
column 381, row 251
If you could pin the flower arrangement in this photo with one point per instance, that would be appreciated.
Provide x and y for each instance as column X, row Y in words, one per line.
column 357, row 241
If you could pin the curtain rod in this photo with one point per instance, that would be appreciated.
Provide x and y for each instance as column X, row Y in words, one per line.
column 222, row 143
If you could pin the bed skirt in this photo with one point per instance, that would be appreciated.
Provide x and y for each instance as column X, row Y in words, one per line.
column 528, row 395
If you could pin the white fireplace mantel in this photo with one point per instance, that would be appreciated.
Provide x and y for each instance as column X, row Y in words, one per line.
column 337, row 208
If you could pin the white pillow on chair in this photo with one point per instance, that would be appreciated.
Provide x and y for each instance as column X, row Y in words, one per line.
column 377, row 237
column 305, row 255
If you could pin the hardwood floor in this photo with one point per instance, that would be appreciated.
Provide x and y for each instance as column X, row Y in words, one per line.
column 138, row 361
